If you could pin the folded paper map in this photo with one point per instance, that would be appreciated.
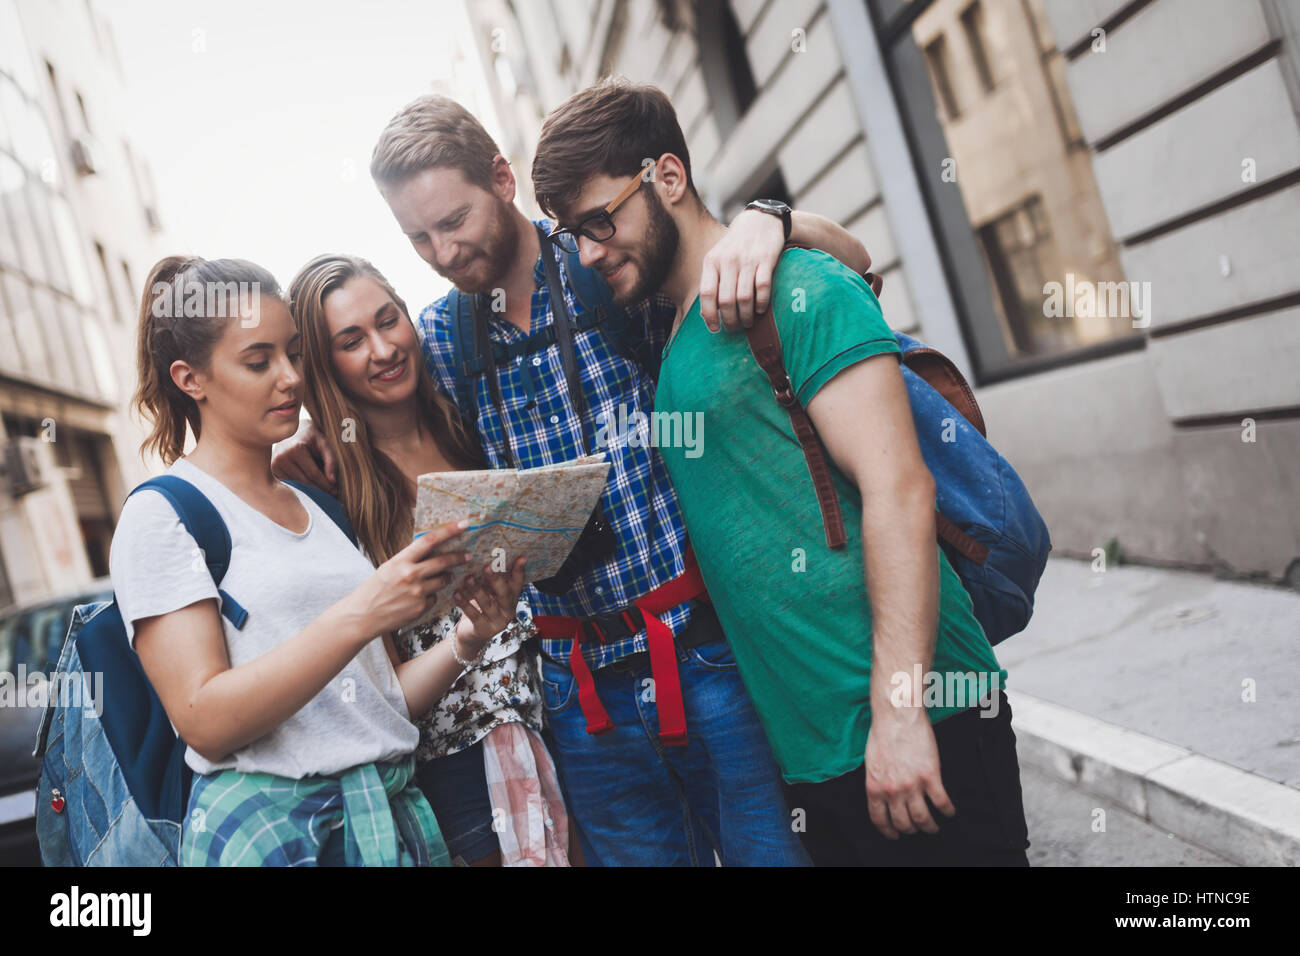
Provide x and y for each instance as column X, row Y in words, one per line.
column 535, row 512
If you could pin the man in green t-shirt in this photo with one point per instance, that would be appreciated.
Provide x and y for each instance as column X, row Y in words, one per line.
column 873, row 680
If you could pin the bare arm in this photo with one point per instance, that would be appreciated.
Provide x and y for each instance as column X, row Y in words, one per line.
column 217, row 708
column 902, row 580
column 736, row 282
column 818, row 232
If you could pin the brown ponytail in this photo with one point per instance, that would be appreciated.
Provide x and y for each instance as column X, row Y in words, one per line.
column 177, row 302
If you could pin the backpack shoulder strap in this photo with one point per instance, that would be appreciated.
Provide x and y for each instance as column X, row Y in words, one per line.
column 592, row 294
column 328, row 504
column 200, row 518
column 476, row 356
column 466, row 357
column 564, row 328
column 941, row 374
column 765, row 343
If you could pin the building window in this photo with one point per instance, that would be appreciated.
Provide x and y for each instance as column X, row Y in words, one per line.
column 130, row 283
column 56, row 270
column 1022, row 257
column 26, row 326
column 11, row 357
column 1053, row 62
column 142, row 181
column 108, row 283
column 972, row 24
column 85, row 117
column 85, row 458
column 936, row 57
column 12, row 181
column 731, row 89
column 724, row 65
column 69, row 240
column 74, row 333
column 613, row 39
column 1017, row 218
column 58, row 98
column 57, row 348
column 19, row 203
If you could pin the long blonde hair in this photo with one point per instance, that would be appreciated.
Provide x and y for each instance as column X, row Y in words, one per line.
column 376, row 495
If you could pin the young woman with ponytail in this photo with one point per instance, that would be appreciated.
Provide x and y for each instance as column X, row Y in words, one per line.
column 482, row 762
column 298, row 723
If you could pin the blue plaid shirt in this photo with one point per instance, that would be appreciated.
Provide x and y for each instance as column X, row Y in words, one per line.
column 544, row 429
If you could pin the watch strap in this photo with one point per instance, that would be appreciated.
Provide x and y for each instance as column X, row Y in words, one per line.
column 776, row 208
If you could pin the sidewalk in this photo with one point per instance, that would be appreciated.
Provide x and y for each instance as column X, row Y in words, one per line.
column 1129, row 684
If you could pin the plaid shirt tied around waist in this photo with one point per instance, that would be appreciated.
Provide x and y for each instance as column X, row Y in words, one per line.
column 260, row 819
column 544, row 429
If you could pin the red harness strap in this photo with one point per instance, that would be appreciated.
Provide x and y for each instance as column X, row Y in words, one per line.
column 663, row 656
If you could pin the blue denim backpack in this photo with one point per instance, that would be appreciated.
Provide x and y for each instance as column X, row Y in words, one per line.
column 988, row 527
column 114, row 783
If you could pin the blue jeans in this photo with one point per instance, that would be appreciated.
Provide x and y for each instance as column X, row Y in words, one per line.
column 638, row 803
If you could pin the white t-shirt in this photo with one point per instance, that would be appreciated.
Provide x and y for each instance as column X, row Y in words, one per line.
column 285, row 581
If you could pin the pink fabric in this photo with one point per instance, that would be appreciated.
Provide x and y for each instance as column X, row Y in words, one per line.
column 527, row 808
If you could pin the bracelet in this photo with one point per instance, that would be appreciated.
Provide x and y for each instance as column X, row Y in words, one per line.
column 455, row 652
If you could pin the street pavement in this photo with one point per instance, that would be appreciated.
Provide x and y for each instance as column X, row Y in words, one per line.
column 1062, row 817
column 1173, row 694
column 1209, row 665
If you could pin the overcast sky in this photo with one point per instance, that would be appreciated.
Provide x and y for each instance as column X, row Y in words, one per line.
column 258, row 119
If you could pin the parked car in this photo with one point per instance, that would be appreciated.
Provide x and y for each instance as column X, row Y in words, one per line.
column 31, row 636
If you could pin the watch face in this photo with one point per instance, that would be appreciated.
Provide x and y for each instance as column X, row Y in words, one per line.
column 774, row 207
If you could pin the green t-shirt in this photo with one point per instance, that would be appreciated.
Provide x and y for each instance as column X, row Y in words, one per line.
column 796, row 612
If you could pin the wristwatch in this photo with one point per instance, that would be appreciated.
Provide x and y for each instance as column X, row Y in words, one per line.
column 774, row 207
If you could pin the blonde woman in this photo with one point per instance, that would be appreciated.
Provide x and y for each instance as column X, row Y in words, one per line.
column 482, row 762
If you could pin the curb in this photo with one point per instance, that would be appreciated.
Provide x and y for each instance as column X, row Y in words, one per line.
column 1241, row 816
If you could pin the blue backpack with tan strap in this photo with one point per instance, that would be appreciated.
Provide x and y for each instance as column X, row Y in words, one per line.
column 114, row 783
column 987, row 524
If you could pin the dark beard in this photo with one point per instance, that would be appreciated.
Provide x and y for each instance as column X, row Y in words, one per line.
column 501, row 245
column 655, row 258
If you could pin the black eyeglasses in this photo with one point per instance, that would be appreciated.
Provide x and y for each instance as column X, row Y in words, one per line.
column 598, row 226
